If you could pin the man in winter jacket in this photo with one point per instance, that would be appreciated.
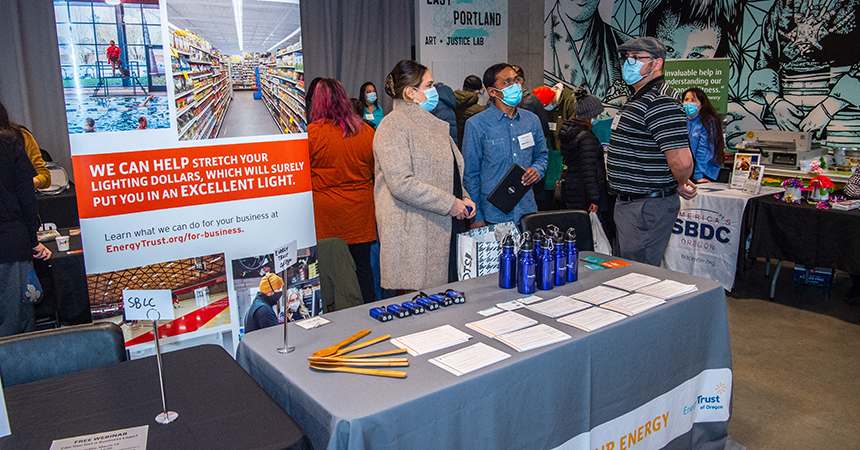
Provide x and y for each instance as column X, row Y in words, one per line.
column 467, row 104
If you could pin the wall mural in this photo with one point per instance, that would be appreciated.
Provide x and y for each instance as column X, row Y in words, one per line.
column 795, row 63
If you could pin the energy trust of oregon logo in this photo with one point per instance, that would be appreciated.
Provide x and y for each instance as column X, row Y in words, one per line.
column 703, row 402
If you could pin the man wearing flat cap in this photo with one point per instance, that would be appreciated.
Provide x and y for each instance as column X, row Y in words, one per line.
column 649, row 162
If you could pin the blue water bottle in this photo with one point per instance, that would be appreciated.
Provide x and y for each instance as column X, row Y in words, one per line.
column 572, row 255
column 560, row 259
column 526, row 266
column 507, row 264
column 546, row 265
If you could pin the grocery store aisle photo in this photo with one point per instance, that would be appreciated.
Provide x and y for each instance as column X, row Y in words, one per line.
column 247, row 117
column 239, row 72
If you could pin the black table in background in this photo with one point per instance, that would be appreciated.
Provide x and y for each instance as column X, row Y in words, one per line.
column 60, row 209
column 219, row 405
column 803, row 234
column 69, row 280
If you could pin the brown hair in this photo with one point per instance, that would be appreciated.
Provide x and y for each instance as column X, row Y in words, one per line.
column 406, row 73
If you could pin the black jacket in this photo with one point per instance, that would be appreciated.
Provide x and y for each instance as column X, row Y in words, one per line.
column 585, row 179
column 445, row 108
column 18, row 219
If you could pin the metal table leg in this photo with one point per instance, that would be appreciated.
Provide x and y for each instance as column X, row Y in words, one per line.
column 775, row 277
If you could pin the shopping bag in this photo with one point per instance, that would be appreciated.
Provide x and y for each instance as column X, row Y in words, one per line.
column 601, row 242
column 478, row 250
column 33, row 288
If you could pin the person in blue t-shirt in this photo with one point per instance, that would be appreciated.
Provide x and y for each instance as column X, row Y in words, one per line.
column 706, row 135
column 372, row 110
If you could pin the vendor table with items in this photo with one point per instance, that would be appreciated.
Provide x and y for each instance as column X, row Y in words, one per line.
column 708, row 234
column 661, row 378
column 803, row 234
column 67, row 273
column 60, row 209
column 219, row 405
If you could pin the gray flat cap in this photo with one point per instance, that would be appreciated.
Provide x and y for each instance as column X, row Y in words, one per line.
column 644, row 44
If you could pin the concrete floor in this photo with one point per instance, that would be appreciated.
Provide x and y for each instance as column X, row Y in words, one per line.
column 796, row 365
column 247, row 117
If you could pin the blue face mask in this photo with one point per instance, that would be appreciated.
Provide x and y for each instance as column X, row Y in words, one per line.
column 550, row 107
column 513, row 94
column 631, row 69
column 691, row 108
column 432, row 99
column 595, row 121
column 371, row 97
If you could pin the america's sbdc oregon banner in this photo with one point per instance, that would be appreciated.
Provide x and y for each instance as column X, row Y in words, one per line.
column 189, row 146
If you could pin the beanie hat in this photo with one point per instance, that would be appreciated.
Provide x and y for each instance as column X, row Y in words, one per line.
column 270, row 283
column 544, row 94
column 587, row 105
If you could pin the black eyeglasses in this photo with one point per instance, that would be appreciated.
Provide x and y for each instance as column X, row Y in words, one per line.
column 632, row 59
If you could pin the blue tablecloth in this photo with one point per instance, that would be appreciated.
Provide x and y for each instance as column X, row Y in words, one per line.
column 544, row 398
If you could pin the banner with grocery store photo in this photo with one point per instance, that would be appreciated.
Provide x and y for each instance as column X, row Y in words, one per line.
column 188, row 137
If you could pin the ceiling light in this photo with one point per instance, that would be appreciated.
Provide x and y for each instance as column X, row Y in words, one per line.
column 169, row 265
column 298, row 30
column 237, row 14
column 216, row 259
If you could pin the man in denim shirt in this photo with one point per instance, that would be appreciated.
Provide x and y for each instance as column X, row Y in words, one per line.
column 497, row 138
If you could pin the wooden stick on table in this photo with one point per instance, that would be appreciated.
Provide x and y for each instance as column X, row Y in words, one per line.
column 376, row 372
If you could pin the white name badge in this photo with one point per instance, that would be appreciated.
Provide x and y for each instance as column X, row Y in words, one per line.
column 368, row 116
column 615, row 121
column 526, row 141
column 553, row 126
column 147, row 304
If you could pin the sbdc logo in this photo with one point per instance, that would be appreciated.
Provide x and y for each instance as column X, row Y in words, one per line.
column 701, row 231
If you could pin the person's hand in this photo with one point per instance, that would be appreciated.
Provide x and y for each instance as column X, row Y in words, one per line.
column 786, row 114
column 592, row 208
column 470, row 206
column 816, row 121
column 478, row 224
column 688, row 190
column 531, row 176
column 41, row 252
column 458, row 210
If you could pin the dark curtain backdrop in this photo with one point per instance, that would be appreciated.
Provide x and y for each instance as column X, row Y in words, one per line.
column 356, row 41
column 31, row 87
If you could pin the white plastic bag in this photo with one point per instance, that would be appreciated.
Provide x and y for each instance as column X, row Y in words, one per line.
column 601, row 242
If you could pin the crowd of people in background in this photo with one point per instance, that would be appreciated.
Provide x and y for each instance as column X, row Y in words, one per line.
column 398, row 187
column 432, row 160
column 409, row 180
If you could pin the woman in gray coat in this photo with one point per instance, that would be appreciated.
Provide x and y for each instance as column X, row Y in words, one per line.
column 418, row 188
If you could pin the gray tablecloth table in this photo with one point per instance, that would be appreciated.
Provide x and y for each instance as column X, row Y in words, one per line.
column 537, row 399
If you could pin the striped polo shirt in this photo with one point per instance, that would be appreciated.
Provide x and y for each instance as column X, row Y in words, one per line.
column 652, row 122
